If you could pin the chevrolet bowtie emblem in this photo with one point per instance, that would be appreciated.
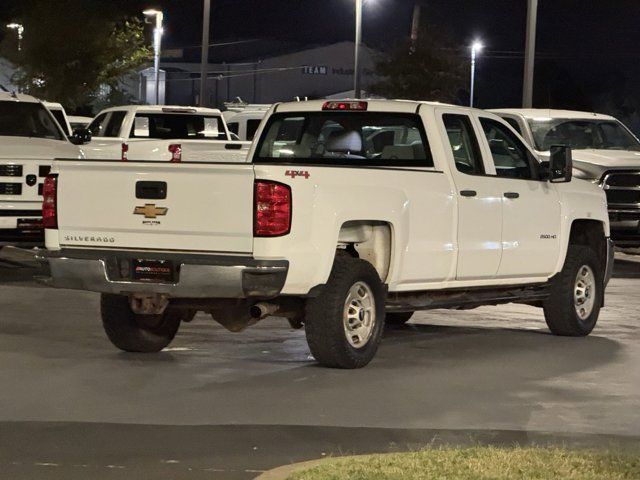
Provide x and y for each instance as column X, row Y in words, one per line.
column 151, row 211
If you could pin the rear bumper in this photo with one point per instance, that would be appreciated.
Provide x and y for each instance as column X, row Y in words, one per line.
column 197, row 276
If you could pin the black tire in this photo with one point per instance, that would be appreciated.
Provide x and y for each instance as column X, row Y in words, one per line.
column 398, row 318
column 324, row 316
column 560, row 310
column 138, row 333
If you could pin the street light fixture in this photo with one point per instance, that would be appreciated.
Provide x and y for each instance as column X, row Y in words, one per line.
column 18, row 27
column 475, row 49
column 157, row 44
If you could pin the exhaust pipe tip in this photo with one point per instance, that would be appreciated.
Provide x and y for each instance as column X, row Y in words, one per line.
column 262, row 310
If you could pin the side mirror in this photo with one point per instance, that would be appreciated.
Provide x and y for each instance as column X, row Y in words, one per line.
column 81, row 136
column 560, row 164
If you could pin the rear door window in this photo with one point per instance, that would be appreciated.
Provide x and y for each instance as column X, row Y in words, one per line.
column 345, row 138
column 168, row 126
column 464, row 144
column 252, row 128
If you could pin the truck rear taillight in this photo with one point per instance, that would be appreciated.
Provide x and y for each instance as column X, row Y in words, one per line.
column 125, row 152
column 50, row 202
column 176, row 152
column 272, row 209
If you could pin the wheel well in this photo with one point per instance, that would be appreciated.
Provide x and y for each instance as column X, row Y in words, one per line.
column 370, row 241
column 590, row 233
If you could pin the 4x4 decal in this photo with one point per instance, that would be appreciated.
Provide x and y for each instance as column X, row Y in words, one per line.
column 298, row 173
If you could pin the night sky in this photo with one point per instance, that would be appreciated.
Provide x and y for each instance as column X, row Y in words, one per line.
column 586, row 48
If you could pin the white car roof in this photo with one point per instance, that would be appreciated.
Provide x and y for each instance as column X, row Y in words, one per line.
column 162, row 109
column 17, row 97
column 535, row 113
column 400, row 106
column 53, row 105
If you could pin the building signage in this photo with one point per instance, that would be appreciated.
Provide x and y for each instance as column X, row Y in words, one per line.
column 314, row 70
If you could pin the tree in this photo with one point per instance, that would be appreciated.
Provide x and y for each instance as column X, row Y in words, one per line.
column 432, row 69
column 74, row 50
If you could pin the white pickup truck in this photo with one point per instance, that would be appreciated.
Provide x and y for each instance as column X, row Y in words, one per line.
column 334, row 231
column 157, row 133
column 605, row 152
column 30, row 139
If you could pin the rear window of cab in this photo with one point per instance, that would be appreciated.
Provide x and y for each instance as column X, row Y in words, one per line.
column 345, row 138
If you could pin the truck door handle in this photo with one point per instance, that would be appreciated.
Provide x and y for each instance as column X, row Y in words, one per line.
column 468, row 193
column 151, row 190
column 512, row 195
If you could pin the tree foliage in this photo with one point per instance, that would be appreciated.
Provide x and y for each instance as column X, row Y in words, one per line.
column 430, row 70
column 73, row 50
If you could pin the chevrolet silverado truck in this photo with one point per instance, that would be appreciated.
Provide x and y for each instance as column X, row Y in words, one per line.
column 30, row 138
column 160, row 133
column 605, row 152
column 333, row 232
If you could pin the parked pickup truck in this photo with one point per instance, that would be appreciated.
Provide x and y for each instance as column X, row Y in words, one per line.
column 605, row 152
column 156, row 133
column 30, row 138
column 332, row 231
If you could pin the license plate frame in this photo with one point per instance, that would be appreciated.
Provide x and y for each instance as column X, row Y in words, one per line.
column 152, row 271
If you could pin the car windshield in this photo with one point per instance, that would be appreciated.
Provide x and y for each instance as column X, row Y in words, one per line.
column 582, row 134
column 20, row 119
column 178, row 126
column 345, row 138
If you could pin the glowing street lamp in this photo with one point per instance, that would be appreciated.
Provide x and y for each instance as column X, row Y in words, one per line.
column 157, row 44
column 475, row 49
column 18, row 27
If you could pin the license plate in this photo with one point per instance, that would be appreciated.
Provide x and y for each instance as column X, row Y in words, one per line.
column 159, row 271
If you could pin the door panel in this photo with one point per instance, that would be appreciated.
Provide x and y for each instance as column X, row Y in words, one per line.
column 531, row 207
column 479, row 202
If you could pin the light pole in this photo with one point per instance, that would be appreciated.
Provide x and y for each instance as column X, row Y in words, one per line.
column 18, row 27
column 475, row 49
column 356, row 68
column 157, row 44
column 530, row 54
column 204, row 58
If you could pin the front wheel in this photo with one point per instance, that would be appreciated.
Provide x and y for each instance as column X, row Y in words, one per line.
column 573, row 306
column 344, row 323
column 132, row 332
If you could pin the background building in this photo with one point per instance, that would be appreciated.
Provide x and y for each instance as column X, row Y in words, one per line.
column 271, row 77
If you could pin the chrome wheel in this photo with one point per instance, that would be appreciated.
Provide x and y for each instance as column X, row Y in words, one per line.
column 585, row 291
column 359, row 317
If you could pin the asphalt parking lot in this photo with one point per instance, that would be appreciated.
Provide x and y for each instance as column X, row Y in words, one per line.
column 223, row 405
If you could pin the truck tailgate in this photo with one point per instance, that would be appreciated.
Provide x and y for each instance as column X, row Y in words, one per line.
column 151, row 206
column 191, row 150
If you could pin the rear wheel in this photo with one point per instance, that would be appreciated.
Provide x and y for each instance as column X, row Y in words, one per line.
column 573, row 306
column 132, row 332
column 344, row 323
column 398, row 318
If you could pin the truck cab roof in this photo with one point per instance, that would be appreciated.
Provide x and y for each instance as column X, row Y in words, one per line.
column 546, row 113
column 371, row 105
column 17, row 97
column 177, row 109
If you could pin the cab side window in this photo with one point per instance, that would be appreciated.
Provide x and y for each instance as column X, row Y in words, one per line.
column 97, row 126
column 511, row 157
column 464, row 144
column 115, row 124
column 514, row 124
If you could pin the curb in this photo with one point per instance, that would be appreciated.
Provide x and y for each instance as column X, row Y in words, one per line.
column 284, row 472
